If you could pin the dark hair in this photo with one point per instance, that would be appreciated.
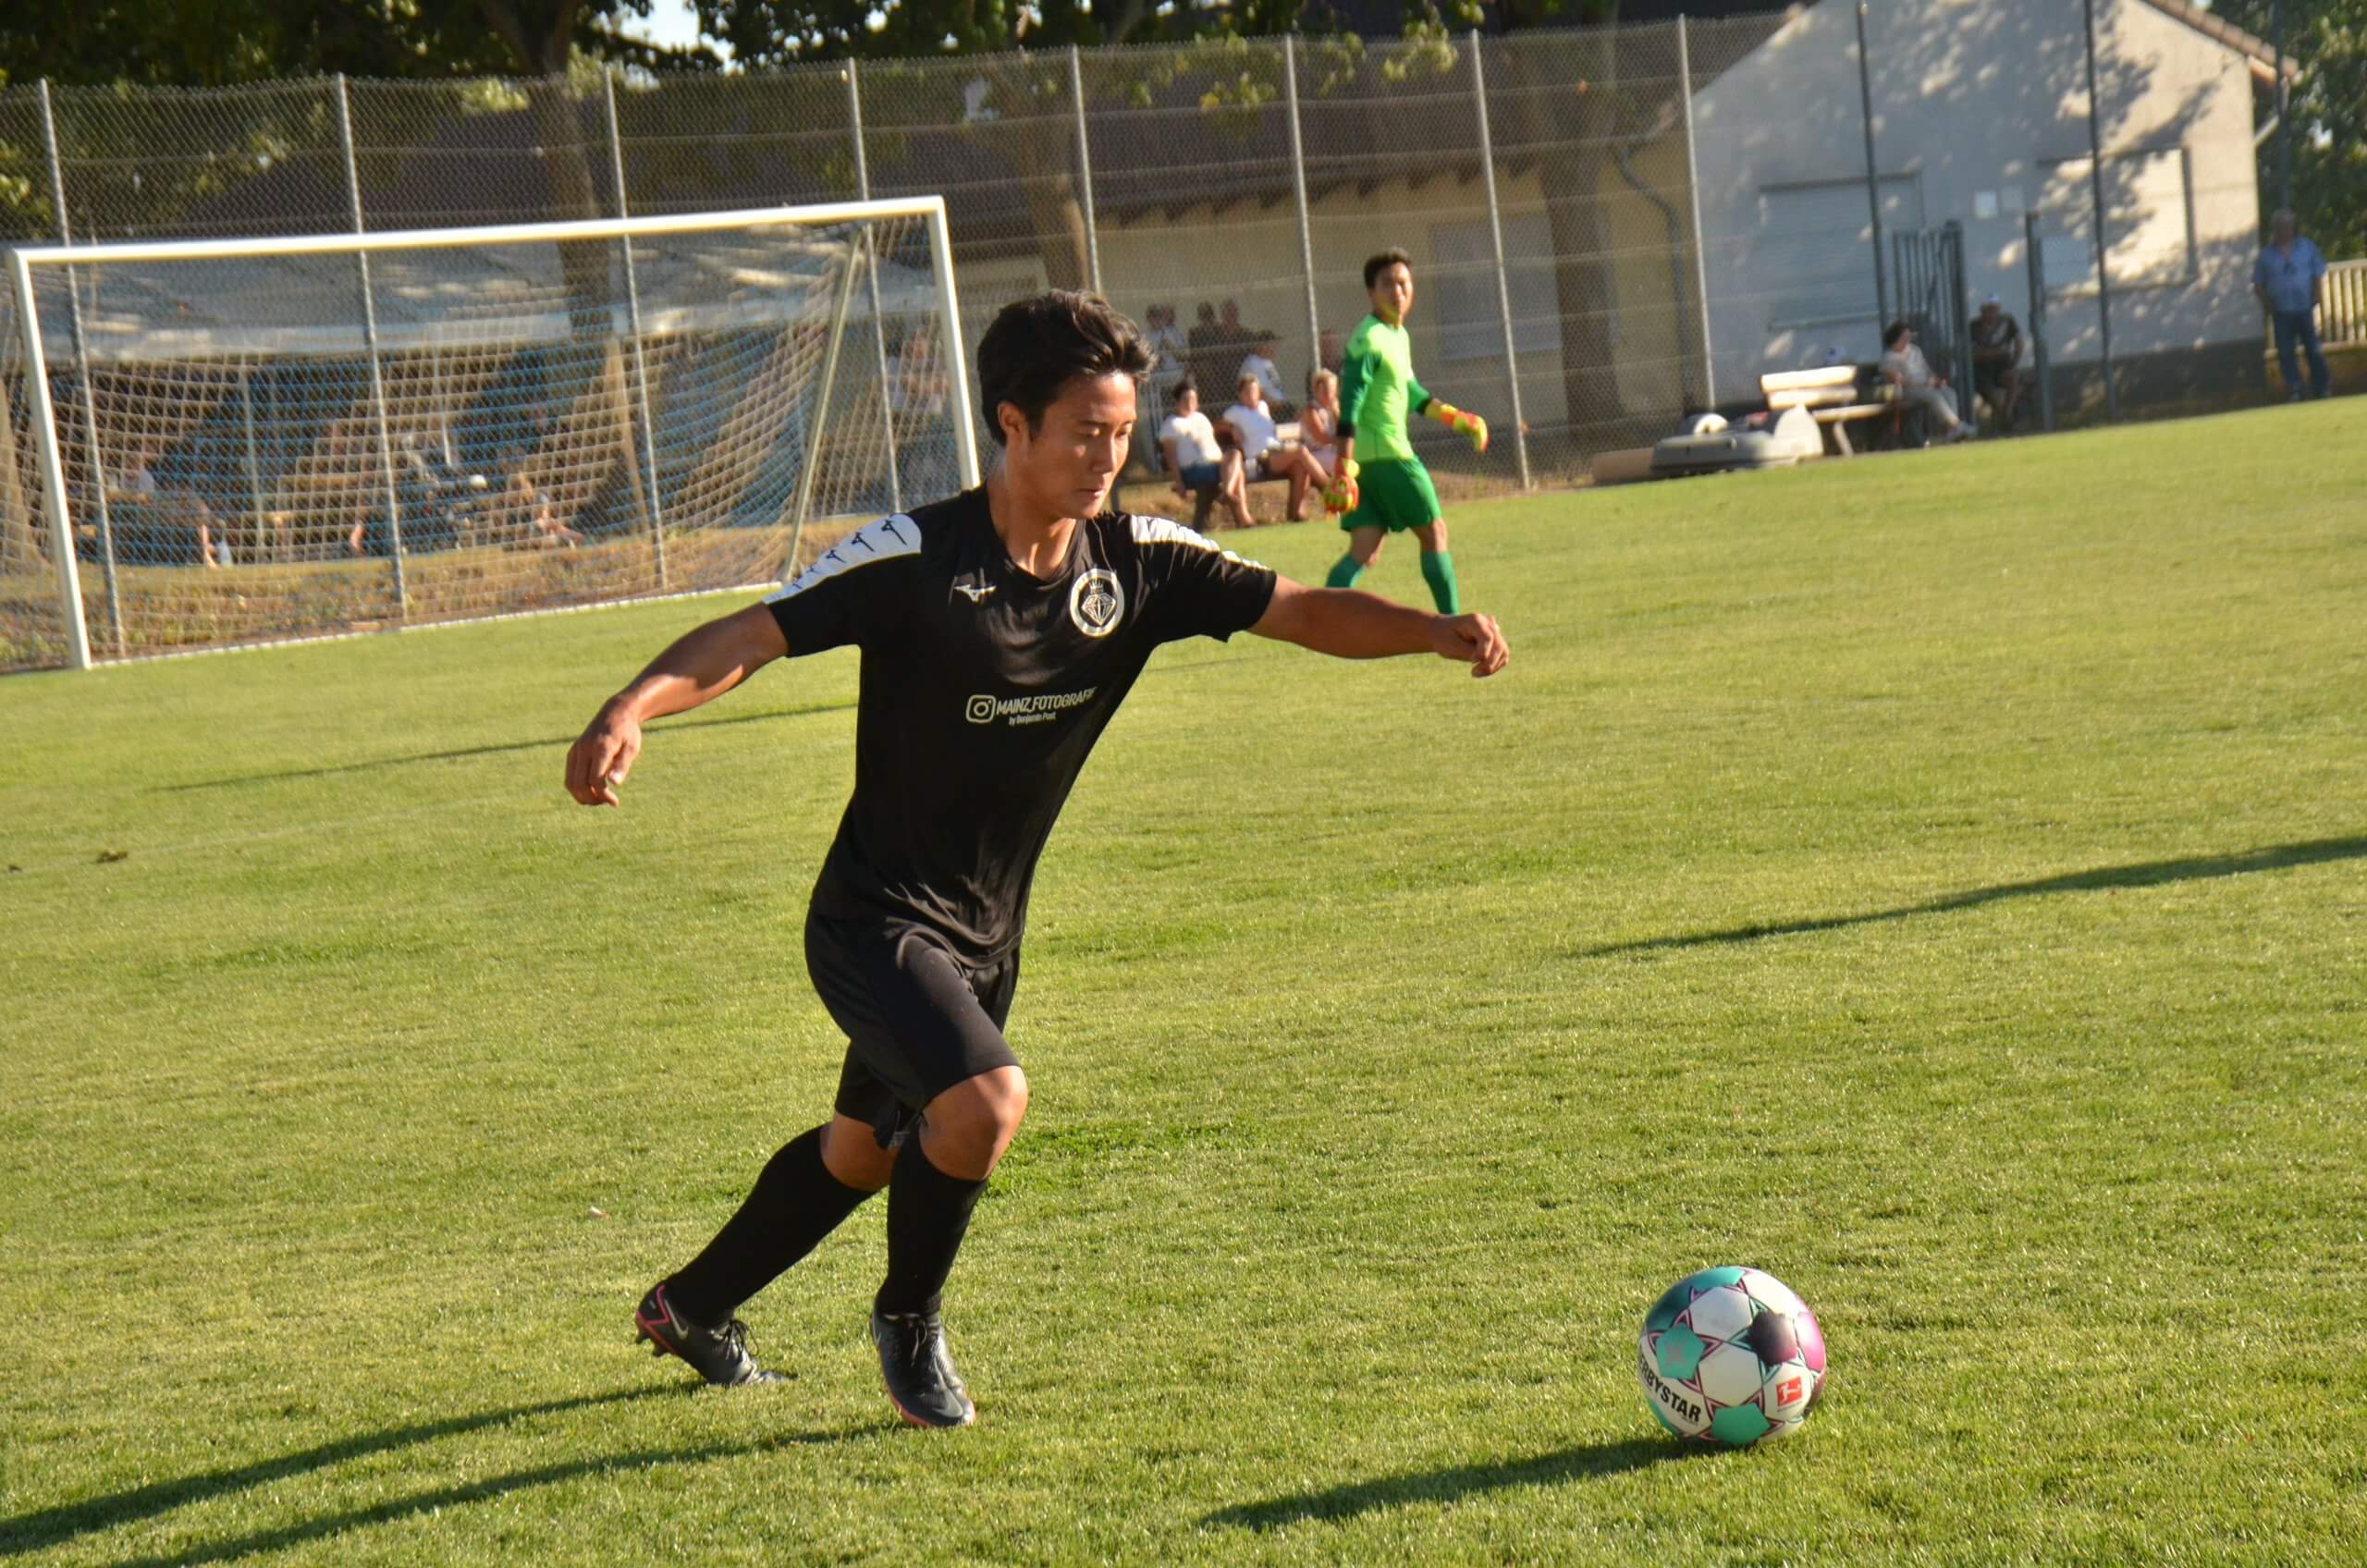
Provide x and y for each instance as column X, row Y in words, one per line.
column 1376, row 266
column 1037, row 346
column 1175, row 393
column 1892, row 333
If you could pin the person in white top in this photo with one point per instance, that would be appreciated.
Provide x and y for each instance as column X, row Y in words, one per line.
column 1319, row 422
column 1905, row 367
column 1253, row 427
column 1198, row 461
column 1259, row 363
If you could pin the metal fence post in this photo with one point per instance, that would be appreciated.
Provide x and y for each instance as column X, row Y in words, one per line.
column 53, row 470
column 370, row 341
column 1873, row 182
column 83, row 376
column 632, row 314
column 1084, row 172
column 871, row 280
column 1299, row 193
column 2041, row 365
column 1496, row 239
column 2096, row 190
column 1693, row 190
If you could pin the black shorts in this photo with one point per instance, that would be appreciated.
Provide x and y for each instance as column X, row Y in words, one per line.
column 919, row 1016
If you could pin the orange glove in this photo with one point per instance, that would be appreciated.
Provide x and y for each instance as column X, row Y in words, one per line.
column 1461, row 423
column 1341, row 495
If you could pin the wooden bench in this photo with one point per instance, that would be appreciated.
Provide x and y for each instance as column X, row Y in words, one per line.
column 1830, row 396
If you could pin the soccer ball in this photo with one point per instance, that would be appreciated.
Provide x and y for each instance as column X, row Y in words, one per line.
column 1731, row 1358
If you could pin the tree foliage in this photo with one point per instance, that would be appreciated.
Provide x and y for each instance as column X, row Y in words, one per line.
column 219, row 42
column 2327, row 39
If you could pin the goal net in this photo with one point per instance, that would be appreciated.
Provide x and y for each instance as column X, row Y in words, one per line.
column 212, row 443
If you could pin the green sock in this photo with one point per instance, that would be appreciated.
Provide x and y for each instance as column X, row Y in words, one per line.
column 1438, row 570
column 1345, row 572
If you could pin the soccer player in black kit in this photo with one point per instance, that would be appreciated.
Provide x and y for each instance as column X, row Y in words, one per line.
column 1000, row 630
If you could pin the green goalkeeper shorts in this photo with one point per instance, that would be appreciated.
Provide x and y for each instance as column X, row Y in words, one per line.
column 1394, row 494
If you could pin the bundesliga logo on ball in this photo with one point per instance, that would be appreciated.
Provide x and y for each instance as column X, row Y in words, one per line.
column 1731, row 1358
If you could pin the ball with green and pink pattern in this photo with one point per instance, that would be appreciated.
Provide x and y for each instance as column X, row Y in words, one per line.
column 1730, row 1358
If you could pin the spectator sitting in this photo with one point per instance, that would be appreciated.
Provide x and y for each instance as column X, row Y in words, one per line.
column 160, row 520
column 1319, row 422
column 1205, row 346
column 2289, row 281
column 527, row 515
column 1199, row 464
column 1262, row 455
column 1905, row 367
column 1997, row 360
column 1165, row 340
column 1327, row 350
column 1259, row 363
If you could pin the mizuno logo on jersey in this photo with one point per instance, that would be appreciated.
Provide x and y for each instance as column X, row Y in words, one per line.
column 975, row 593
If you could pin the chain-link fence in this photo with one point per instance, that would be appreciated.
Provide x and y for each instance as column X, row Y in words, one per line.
column 1610, row 227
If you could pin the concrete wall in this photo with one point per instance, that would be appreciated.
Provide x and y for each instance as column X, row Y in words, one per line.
column 1974, row 97
column 1251, row 251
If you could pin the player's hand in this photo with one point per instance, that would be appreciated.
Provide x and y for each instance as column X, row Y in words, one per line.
column 1471, row 424
column 1472, row 640
column 1340, row 494
column 602, row 755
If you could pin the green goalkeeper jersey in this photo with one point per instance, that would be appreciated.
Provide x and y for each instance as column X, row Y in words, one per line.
column 1377, row 390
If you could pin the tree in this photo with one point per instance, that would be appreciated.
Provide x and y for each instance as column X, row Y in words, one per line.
column 176, row 43
column 2327, row 40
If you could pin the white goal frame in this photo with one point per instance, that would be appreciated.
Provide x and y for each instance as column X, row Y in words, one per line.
column 22, row 260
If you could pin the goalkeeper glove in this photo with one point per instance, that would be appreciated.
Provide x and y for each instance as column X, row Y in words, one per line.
column 1461, row 423
column 1339, row 496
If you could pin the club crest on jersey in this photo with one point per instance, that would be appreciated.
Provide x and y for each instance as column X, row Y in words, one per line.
column 1097, row 604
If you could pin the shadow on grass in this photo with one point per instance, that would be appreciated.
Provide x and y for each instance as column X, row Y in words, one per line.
column 2149, row 874
column 393, row 1508
column 51, row 1527
column 1584, row 1462
column 558, row 746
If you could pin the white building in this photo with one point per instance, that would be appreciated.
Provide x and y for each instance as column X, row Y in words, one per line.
column 1980, row 114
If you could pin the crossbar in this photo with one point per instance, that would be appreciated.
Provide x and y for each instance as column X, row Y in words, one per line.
column 930, row 207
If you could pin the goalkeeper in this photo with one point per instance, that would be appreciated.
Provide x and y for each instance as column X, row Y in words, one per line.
column 1389, row 492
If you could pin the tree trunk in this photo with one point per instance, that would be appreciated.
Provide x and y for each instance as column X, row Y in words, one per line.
column 1567, row 103
column 590, row 394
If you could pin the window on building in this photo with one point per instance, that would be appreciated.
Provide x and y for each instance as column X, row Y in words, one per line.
column 1461, row 280
column 2149, row 222
column 1813, row 261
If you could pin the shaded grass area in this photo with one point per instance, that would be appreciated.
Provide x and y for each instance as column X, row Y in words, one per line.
column 1937, row 879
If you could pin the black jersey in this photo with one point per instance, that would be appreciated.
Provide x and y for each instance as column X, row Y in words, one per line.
column 984, row 689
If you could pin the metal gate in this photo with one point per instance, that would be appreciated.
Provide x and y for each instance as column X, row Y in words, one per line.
column 1928, row 265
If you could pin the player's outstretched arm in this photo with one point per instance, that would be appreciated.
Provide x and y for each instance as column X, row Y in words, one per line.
column 698, row 666
column 1350, row 624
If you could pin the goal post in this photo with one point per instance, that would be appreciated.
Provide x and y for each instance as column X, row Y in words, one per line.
column 223, row 443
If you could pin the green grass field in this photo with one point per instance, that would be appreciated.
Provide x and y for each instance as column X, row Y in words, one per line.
column 1940, row 880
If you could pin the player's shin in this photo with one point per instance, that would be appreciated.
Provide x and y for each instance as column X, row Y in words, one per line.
column 1345, row 571
column 1438, row 570
column 928, row 1213
column 796, row 1204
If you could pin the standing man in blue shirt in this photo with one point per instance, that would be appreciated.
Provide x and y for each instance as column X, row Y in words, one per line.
column 2289, row 282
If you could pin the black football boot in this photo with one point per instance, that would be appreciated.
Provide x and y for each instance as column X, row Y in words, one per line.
column 921, row 1381
column 719, row 1354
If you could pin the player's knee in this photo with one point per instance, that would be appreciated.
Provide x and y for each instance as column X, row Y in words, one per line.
column 970, row 1124
column 851, row 1153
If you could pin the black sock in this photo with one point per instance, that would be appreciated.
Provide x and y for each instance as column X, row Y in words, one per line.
column 797, row 1202
column 927, row 1213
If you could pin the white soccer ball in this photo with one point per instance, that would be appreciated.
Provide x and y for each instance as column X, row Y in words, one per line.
column 1731, row 1358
